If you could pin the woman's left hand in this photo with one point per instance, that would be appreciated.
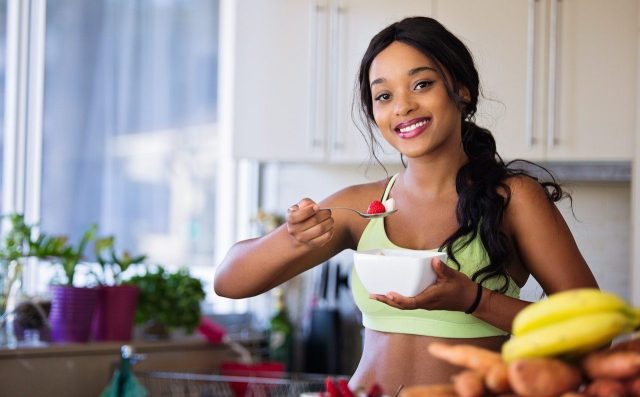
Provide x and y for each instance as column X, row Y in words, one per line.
column 452, row 290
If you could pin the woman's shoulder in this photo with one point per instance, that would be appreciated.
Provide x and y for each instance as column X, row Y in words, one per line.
column 524, row 188
column 527, row 197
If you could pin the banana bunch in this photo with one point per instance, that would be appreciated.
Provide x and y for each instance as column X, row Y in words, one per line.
column 569, row 323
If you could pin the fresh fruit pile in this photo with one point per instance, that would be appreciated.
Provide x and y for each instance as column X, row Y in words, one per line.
column 569, row 323
column 559, row 348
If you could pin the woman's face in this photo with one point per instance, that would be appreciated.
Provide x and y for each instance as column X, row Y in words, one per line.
column 410, row 102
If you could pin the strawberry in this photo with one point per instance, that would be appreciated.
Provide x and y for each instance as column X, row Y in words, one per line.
column 343, row 386
column 376, row 207
column 331, row 387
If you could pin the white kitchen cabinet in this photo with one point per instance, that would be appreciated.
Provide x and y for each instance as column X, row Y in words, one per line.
column 295, row 66
column 560, row 76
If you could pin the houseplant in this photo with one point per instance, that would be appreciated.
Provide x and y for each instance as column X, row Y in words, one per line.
column 71, row 307
column 117, row 301
column 168, row 300
column 14, row 247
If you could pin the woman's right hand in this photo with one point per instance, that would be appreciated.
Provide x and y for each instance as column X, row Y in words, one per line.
column 308, row 225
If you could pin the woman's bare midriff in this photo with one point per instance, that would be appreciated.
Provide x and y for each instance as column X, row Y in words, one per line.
column 391, row 360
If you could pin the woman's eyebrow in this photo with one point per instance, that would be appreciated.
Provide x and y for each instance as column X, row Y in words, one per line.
column 421, row 69
column 411, row 73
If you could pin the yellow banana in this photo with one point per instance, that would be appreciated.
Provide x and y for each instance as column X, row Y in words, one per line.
column 575, row 334
column 566, row 304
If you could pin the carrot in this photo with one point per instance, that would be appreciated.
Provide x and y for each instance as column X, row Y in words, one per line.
column 467, row 356
column 468, row 383
column 543, row 377
column 606, row 388
column 438, row 390
column 497, row 379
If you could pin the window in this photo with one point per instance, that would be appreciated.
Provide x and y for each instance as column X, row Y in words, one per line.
column 129, row 126
column 3, row 62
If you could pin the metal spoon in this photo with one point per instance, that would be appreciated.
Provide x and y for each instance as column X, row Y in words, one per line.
column 362, row 214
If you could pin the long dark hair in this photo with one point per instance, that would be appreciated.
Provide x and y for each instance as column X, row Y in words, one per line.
column 480, row 208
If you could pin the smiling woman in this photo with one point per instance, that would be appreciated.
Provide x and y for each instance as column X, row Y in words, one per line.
column 419, row 90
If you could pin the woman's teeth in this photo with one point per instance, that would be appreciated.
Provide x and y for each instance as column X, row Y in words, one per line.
column 413, row 126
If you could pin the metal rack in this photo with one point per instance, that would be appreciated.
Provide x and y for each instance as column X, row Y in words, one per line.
column 172, row 384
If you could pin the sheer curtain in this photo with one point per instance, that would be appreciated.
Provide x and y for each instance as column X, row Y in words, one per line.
column 3, row 61
column 129, row 135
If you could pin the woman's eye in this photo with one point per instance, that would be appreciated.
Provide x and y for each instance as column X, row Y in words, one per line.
column 423, row 84
column 383, row 97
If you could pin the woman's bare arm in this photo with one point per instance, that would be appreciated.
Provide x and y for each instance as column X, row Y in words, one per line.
column 545, row 246
column 309, row 238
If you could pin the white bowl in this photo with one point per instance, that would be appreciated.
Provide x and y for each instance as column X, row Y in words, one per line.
column 407, row 272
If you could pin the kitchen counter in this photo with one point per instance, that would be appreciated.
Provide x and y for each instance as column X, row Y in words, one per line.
column 84, row 369
column 587, row 171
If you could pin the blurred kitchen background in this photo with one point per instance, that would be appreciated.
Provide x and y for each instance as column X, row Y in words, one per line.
column 174, row 123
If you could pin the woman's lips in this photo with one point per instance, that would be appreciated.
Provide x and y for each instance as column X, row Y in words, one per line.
column 412, row 128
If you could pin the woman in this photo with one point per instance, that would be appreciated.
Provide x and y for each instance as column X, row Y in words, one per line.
column 419, row 87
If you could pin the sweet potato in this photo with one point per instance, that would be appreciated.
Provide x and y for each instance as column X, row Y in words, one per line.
column 633, row 387
column 468, row 383
column 614, row 364
column 628, row 345
column 606, row 388
column 467, row 356
column 497, row 379
column 543, row 377
column 439, row 390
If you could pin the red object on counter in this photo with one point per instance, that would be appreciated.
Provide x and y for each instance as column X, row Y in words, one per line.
column 213, row 332
column 269, row 369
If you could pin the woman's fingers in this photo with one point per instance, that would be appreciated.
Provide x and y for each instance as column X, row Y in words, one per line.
column 312, row 233
column 441, row 270
column 308, row 225
column 396, row 300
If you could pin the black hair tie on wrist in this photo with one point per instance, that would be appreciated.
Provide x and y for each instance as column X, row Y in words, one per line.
column 476, row 301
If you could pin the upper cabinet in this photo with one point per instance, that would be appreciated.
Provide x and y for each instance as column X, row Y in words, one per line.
column 294, row 72
column 559, row 77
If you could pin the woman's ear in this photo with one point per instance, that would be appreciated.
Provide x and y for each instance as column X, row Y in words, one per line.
column 464, row 93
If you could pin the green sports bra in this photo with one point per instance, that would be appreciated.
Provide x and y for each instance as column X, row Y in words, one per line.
column 439, row 323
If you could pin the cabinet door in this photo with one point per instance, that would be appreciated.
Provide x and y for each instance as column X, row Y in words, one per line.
column 279, row 45
column 354, row 23
column 500, row 35
column 595, row 92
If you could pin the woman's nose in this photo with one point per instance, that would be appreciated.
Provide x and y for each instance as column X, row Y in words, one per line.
column 404, row 104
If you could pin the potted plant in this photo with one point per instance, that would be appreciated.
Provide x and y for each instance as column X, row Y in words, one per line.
column 117, row 301
column 71, row 307
column 14, row 247
column 168, row 300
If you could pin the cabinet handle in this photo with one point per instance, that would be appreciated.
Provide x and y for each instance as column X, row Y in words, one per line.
column 337, row 64
column 531, row 59
column 551, row 88
column 317, row 71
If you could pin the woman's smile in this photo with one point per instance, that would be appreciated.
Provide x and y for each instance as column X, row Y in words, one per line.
column 412, row 128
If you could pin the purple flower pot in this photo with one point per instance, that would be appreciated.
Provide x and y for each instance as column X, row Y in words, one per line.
column 71, row 313
column 115, row 312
